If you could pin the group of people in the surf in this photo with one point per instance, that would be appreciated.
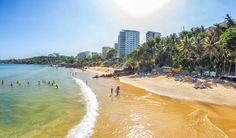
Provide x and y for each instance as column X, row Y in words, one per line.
column 18, row 83
column 117, row 91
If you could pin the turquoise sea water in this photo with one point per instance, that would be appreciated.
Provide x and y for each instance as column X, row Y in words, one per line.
column 29, row 110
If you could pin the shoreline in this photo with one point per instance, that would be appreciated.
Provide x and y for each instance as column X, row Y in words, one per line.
column 218, row 94
column 85, row 127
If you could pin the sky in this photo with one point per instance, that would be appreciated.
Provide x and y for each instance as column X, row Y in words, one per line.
column 39, row 27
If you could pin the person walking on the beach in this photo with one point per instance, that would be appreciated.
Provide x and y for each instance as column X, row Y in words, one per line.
column 111, row 92
column 118, row 91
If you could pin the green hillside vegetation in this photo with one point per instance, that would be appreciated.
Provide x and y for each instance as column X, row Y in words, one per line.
column 200, row 49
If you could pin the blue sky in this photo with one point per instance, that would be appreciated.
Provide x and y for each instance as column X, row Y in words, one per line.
column 39, row 27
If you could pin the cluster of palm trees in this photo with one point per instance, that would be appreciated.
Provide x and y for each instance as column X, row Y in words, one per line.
column 200, row 49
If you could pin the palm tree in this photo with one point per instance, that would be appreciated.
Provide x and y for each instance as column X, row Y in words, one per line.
column 211, row 49
column 229, row 21
column 187, row 51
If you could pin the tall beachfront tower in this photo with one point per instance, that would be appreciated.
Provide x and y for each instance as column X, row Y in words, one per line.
column 151, row 34
column 128, row 41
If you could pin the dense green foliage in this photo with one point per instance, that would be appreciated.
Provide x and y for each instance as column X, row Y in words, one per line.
column 41, row 60
column 90, row 61
column 200, row 49
column 112, row 53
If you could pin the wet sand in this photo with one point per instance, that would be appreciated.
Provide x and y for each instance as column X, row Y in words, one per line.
column 138, row 113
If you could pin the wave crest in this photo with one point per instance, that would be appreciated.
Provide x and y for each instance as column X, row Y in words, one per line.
column 85, row 128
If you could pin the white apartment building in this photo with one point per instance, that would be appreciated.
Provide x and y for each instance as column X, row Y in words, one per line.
column 128, row 41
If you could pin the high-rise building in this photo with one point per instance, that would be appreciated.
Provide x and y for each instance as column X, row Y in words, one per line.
column 151, row 34
column 116, row 46
column 105, row 50
column 128, row 41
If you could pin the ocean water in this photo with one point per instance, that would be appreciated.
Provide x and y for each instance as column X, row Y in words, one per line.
column 39, row 111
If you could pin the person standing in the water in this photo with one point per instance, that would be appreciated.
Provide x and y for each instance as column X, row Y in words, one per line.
column 111, row 92
column 118, row 91
column 2, row 82
column 11, row 84
column 39, row 83
column 56, row 86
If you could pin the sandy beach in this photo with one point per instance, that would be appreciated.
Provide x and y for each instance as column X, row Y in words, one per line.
column 218, row 93
column 140, row 113
column 100, row 70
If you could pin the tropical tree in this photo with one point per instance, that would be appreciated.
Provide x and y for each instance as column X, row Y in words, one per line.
column 211, row 49
column 229, row 21
column 112, row 53
column 228, row 40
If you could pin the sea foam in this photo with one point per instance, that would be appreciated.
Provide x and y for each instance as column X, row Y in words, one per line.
column 85, row 128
